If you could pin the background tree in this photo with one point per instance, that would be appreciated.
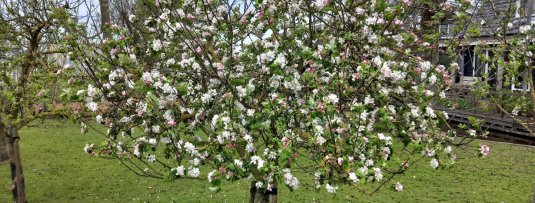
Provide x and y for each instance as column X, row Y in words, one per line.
column 29, row 67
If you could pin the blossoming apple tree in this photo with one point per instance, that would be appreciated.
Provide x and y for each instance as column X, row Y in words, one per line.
column 227, row 90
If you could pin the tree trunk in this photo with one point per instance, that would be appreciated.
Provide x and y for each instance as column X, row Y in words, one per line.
column 105, row 18
column 12, row 138
column 3, row 144
column 533, row 200
column 262, row 196
column 428, row 27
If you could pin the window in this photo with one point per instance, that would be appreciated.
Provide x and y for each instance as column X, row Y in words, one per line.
column 491, row 69
column 15, row 76
column 444, row 59
column 517, row 83
column 446, row 30
column 482, row 66
column 474, row 64
column 468, row 62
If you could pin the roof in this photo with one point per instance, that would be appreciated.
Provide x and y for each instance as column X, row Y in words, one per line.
column 495, row 15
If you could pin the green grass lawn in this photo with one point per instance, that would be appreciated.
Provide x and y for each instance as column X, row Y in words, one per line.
column 57, row 170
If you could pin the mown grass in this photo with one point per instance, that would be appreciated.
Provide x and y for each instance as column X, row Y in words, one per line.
column 57, row 170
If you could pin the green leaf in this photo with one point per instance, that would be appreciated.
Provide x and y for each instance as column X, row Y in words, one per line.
column 214, row 189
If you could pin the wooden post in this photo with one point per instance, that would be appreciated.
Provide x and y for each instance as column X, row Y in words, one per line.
column 461, row 68
column 260, row 196
column 525, row 81
column 12, row 138
column 499, row 77
column 529, row 9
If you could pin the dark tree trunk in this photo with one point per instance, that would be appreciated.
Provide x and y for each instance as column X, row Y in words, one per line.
column 105, row 18
column 533, row 200
column 262, row 196
column 429, row 27
column 4, row 156
column 12, row 138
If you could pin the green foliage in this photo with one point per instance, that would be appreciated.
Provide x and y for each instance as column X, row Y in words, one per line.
column 31, row 47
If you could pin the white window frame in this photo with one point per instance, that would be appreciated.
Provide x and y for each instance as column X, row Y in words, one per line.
column 514, row 88
column 448, row 30
column 15, row 75
column 486, row 67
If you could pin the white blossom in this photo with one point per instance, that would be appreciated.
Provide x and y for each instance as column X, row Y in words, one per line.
column 447, row 150
column 151, row 158
column 353, row 177
column 368, row 100
column 194, row 172
column 99, row 119
column 398, row 186
column 131, row 18
column 378, row 174
column 190, row 148
column 238, row 163
column 210, row 175
column 290, row 180
column 524, row 28
column 180, row 170
column 331, row 188
column 472, row 132
column 434, row 163
column 156, row 45
column 259, row 184
column 156, row 129
column 91, row 91
column 153, row 141
column 332, row 99
column 320, row 140
column 256, row 160
column 433, row 79
column 92, row 106
column 88, row 148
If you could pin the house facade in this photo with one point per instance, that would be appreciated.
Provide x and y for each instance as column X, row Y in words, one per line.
column 498, row 20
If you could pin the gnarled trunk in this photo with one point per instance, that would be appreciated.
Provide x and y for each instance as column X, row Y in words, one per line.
column 262, row 196
column 12, row 138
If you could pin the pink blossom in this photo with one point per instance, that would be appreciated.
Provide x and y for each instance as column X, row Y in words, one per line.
column 418, row 70
column 285, row 141
column 321, row 107
column 485, row 150
column 261, row 14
